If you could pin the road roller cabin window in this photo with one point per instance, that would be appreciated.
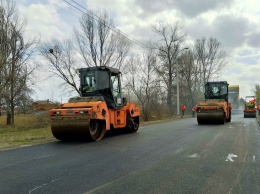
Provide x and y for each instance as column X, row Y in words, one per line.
column 215, row 91
column 89, row 82
column 102, row 78
column 115, row 85
column 223, row 89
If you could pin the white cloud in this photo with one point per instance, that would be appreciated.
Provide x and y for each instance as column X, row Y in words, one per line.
column 239, row 71
column 236, row 23
column 45, row 20
column 193, row 8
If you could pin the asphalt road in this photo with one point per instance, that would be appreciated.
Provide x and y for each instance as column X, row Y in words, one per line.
column 174, row 157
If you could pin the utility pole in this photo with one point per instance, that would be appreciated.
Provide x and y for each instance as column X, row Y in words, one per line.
column 178, row 92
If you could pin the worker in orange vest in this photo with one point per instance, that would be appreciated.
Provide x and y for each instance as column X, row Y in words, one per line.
column 183, row 108
column 193, row 110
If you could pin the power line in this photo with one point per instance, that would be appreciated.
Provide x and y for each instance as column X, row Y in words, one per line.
column 65, row 10
column 94, row 16
column 113, row 28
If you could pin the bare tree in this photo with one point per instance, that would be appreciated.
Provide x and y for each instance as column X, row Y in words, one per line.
column 24, row 102
column 168, row 47
column 256, row 92
column 62, row 58
column 209, row 58
column 15, row 65
column 143, row 81
column 100, row 43
column 187, row 78
column 6, row 12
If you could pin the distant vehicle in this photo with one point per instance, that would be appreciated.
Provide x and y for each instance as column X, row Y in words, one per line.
column 250, row 107
column 215, row 108
column 233, row 98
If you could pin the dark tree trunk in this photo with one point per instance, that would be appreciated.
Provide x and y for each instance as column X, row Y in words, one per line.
column 8, row 118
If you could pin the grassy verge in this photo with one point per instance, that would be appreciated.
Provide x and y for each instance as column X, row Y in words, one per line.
column 28, row 130
column 35, row 129
column 14, row 138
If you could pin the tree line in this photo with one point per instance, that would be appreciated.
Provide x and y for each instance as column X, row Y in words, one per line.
column 150, row 74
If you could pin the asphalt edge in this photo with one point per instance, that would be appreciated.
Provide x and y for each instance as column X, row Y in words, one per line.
column 258, row 117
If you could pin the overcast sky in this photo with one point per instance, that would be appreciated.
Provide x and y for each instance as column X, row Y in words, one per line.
column 235, row 23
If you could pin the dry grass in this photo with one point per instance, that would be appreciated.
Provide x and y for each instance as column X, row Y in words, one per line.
column 28, row 130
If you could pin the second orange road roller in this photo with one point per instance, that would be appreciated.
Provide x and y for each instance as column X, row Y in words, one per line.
column 215, row 109
column 99, row 108
column 250, row 107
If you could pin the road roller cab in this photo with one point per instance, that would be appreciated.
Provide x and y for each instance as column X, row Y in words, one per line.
column 102, row 82
column 99, row 108
column 215, row 108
